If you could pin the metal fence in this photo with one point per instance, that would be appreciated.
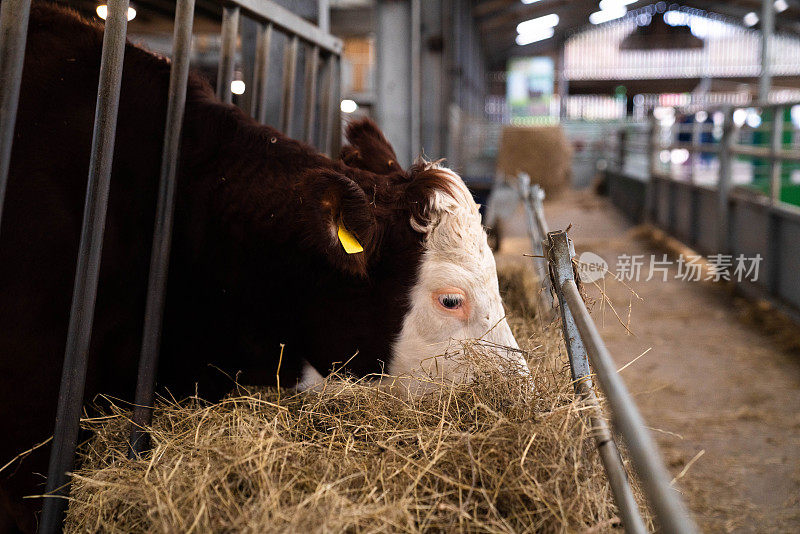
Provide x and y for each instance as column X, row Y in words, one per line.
column 554, row 251
column 324, row 52
column 717, row 185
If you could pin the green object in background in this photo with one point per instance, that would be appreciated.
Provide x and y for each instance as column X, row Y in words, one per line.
column 790, row 192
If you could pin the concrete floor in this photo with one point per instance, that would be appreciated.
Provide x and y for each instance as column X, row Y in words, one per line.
column 712, row 387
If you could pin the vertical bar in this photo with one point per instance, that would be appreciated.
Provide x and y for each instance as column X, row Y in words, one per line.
column 652, row 159
column 560, row 253
column 230, row 30
column 162, row 235
column 14, row 16
column 261, row 74
column 767, row 29
column 312, row 61
column 336, row 120
column 324, row 15
column 325, row 107
column 289, row 75
column 415, row 79
column 724, row 182
column 775, row 161
column 73, row 376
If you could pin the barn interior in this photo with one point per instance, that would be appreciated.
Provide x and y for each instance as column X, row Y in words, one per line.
column 661, row 133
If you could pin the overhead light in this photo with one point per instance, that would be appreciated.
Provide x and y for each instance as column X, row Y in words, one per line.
column 102, row 12
column 751, row 19
column 604, row 15
column 534, row 36
column 348, row 106
column 529, row 1
column 608, row 5
column 547, row 21
column 780, row 6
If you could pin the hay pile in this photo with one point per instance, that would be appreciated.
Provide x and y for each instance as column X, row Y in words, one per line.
column 503, row 454
column 544, row 152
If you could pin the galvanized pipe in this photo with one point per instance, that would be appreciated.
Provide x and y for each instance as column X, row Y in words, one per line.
column 532, row 197
column 261, row 74
column 14, row 16
column 162, row 236
column 324, row 15
column 767, row 31
column 73, row 376
column 336, row 120
column 415, row 77
column 775, row 163
column 289, row 75
column 670, row 512
column 310, row 86
column 560, row 259
column 230, row 31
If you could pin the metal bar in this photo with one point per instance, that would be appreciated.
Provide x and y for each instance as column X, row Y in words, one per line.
column 560, row 254
column 336, row 120
column 73, row 376
column 767, row 30
column 415, row 79
column 724, row 182
column 261, row 74
column 162, row 236
column 14, row 16
column 312, row 64
column 532, row 197
column 288, row 22
column 775, row 163
column 670, row 512
column 230, row 30
column 289, row 76
column 324, row 15
column 652, row 166
column 325, row 107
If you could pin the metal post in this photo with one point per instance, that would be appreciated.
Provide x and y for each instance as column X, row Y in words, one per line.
column 261, row 72
column 312, row 62
column 230, row 30
column 73, row 376
column 767, row 29
column 336, row 114
column 563, row 82
column 532, row 197
column 162, row 236
column 14, row 16
column 325, row 107
column 652, row 158
column 775, row 162
column 724, row 182
column 560, row 253
column 415, row 79
column 289, row 75
column 324, row 15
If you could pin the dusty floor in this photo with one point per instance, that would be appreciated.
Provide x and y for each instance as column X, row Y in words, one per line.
column 715, row 388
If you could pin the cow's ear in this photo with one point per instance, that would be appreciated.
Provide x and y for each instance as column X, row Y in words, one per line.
column 339, row 221
column 368, row 149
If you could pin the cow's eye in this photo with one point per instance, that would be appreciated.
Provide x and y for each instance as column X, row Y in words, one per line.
column 451, row 302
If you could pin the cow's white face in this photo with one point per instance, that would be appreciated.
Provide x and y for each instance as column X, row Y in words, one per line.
column 456, row 296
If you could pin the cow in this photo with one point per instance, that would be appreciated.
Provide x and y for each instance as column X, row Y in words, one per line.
column 280, row 256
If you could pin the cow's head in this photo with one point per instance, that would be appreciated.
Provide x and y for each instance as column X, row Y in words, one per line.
column 425, row 219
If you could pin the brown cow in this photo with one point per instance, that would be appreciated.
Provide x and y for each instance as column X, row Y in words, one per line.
column 256, row 261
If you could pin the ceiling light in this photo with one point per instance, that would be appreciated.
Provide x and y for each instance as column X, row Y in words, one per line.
column 751, row 19
column 599, row 17
column 547, row 21
column 609, row 5
column 533, row 36
column 780, row 6
column 102, row 12
column 529, row 1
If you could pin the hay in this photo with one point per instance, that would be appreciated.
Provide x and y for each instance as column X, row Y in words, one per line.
column 505, row 453
column 544, row 152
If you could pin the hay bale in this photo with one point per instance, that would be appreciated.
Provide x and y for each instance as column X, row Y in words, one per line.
column 544, row 152
column 505, row 453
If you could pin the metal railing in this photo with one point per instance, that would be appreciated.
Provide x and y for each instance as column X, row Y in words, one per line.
column 325, row 56
column 710, row 206
column 585, row 346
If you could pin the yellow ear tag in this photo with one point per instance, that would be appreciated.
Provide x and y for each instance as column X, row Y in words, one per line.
column 349, row 241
